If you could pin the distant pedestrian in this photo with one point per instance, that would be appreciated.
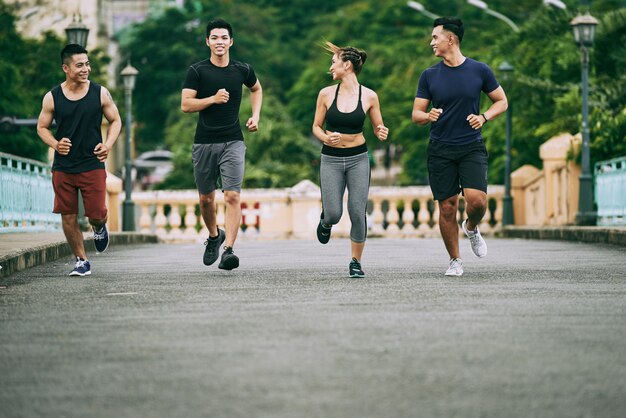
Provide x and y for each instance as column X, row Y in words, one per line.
column 213, row 88
column 344, row 160
column 457, row 157
column 77, row 105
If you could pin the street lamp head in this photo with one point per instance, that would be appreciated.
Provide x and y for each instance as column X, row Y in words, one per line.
column 416, row 6
column 478, row 3
column 506, row 69
column 584, row 28
column 555, row 3
column 129, row 75
column 77, row 32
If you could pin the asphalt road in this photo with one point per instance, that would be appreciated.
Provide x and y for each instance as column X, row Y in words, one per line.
column 536, row 329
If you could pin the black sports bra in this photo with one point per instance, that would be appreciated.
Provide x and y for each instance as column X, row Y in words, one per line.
column 345, row 123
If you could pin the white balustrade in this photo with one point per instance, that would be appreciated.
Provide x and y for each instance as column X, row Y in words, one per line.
column 294, row 213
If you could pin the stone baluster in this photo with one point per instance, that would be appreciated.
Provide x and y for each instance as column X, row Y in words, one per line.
column 392, row 218
column 145, row 220
column 250, row 220
column 160, row 220
column 377, row 217
column 498, row 213
column 175, row 222
column 221, row 207
column 407, row 218
column 423, row 216
column 190, row 221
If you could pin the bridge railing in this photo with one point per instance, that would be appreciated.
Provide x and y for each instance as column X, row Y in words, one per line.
column 610, row 191
column 294, row 213
column 26, row 195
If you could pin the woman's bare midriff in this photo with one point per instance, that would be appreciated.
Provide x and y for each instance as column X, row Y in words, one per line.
column 349, row 140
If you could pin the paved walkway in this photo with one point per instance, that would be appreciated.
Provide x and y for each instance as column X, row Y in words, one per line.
column 536, row 329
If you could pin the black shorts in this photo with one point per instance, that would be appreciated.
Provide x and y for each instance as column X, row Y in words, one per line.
column 452, row 168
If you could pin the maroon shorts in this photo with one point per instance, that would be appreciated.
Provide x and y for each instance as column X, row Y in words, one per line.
column 92, row 186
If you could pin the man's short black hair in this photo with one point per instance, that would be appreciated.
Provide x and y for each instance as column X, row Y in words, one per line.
column 218, row 24
column 69, row 50
column 451, row 24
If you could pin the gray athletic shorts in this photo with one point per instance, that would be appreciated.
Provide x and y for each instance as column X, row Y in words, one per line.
column 210, row 161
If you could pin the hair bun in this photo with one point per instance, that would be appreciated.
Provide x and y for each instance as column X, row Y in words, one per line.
column 363, row 55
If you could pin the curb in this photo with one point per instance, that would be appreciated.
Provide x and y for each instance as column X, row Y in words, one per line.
column 36, row 256
column 591, row 234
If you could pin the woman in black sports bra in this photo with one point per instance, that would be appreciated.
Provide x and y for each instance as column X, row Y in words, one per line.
column 344, row 161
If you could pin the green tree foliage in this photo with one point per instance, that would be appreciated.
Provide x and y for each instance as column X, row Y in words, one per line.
column 283, row 40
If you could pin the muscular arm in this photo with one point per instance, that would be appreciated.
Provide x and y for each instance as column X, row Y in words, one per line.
column 420, row 115
column 498, row 106
column 45, row 120
column 256, row 101
column 109, row 109
column 189, row 103
column 500, row 103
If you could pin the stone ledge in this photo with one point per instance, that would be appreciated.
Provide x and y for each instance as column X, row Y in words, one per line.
column 35, row 256
column 592, row 234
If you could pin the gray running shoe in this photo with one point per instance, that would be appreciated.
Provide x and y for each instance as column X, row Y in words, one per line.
column 212, row 247
column 478, row 244
column 229, row 259
column 456, row 267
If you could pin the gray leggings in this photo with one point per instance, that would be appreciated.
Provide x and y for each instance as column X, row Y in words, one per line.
column 335, row 174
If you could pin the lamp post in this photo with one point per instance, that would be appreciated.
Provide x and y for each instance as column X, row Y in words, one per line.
column 129, row 75
column 555, row 3
column 420, row 8
column 482, row 5
column 507, row 202
column 584, row 28
column 77, row 32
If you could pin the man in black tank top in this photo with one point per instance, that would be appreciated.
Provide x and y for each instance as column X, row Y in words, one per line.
column 213, row 88
column 77, row 105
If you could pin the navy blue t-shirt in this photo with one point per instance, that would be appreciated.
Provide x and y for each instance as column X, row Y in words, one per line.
column 456, row 90
column 219, row 122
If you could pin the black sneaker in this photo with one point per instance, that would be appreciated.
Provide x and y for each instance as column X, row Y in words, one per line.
column 101, row 239
column 355, row 269
column 229, row 259
column 212, row 247
column 323, row 233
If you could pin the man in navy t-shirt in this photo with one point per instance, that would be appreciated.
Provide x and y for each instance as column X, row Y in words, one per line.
column 213, row 87
column 457, row 157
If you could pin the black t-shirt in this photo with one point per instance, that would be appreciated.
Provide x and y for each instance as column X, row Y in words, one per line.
column 456, row 90
column 219, row 122
column 80, row 121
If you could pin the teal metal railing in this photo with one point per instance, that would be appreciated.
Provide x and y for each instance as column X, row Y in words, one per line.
column 26, row 195
column 611, row 191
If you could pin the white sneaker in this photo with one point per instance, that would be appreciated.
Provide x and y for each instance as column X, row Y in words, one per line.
column 456, row 267
column 478, row 244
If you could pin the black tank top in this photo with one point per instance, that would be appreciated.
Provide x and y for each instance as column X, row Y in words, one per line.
column 80, row 121
column 345, row 123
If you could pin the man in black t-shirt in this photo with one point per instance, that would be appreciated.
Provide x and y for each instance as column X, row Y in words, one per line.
column 457, row 157
column 213, row 88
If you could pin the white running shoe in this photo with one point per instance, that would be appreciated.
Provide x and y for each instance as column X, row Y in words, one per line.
column 456, row 267
column 478, row 244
